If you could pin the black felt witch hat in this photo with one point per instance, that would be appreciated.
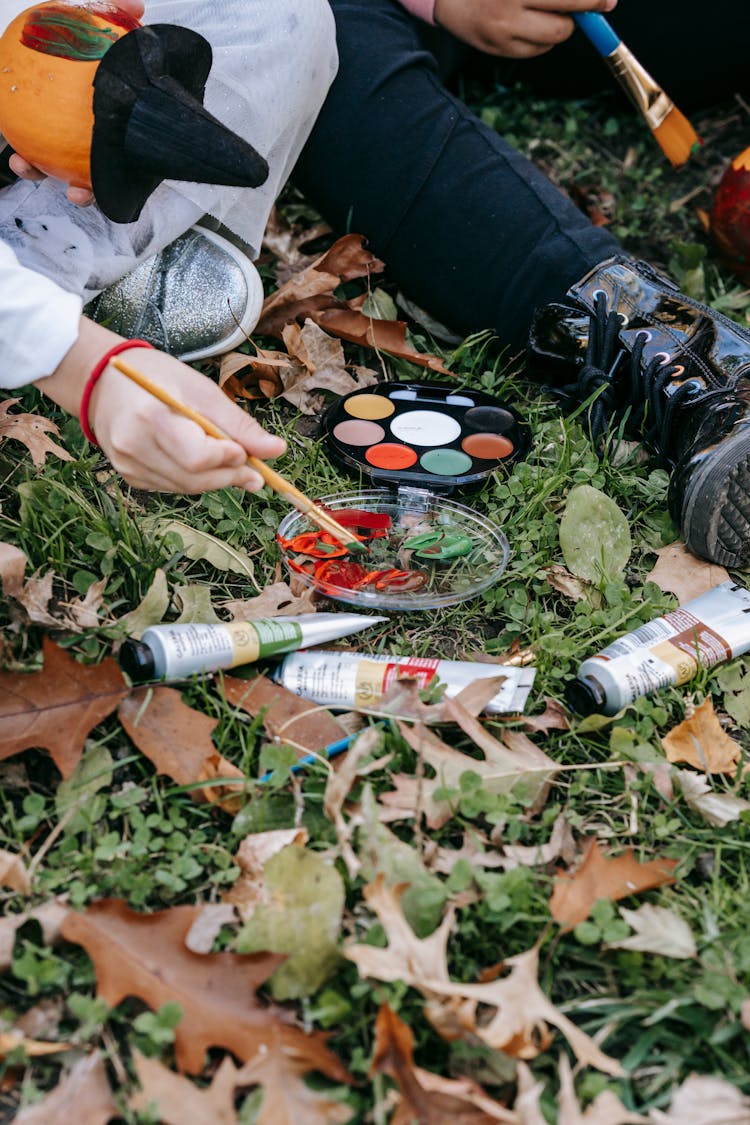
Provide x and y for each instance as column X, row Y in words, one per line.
column 150, row 123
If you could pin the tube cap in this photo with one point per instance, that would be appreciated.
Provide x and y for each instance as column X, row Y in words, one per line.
column 137, row 660
column 585, row 697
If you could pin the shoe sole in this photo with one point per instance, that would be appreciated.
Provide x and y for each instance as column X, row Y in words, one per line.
column 716, row 506
column 253, row 307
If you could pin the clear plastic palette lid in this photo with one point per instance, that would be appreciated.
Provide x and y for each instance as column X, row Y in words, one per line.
column 428, row 551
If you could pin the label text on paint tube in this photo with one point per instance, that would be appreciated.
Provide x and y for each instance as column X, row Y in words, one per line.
column 347, row 680
column 669, row 650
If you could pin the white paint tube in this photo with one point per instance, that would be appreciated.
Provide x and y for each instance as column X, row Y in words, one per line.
column 347, row 680
column 669, row 650
column 176, row 652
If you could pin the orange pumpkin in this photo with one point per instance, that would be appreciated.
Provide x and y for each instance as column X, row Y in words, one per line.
column 48, row 57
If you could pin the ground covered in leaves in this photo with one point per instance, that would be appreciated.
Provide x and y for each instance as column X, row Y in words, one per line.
column 516, row 919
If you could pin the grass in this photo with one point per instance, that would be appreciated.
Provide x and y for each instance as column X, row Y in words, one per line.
column 142, row 838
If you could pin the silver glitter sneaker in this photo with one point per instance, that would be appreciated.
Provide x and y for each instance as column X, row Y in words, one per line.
column 198, row 297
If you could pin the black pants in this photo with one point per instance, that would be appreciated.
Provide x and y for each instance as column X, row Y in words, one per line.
column 468, row 227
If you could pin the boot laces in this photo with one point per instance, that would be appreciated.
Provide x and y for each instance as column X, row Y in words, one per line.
column 629, row 387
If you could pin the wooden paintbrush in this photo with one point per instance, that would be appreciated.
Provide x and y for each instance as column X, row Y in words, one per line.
column 673, row 132
column 273, row 479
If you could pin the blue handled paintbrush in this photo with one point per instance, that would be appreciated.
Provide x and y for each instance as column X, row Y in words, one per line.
column 673, row 132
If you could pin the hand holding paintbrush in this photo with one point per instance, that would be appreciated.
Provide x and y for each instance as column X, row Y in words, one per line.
column 273, row 479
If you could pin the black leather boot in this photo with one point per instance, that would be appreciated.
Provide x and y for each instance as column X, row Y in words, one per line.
column 678, row 373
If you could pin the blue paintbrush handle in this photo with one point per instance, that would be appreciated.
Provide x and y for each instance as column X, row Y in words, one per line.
column 599, row 31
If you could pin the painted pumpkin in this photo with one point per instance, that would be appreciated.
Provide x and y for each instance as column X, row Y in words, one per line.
column 48, row 57
column 730, row 216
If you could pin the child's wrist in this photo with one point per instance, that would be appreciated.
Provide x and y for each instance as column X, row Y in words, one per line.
column 99, row 368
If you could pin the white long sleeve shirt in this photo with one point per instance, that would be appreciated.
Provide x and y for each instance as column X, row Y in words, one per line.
column 38, row 322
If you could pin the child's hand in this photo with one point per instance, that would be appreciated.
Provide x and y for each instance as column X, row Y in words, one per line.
column 154, row 448
column 518, row 29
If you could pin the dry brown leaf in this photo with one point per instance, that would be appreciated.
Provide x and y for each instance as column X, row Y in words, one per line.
column 686, row 576
column 179, row 1100
column 527, row 1106
column 561, row 845
column 83, row 1095
column 323, row 368
column 566, row 583
column 413, row 797
column 208, row 924
column 13, row 873
column 12, row 568
column 718, row 809
column 42, row 1020
column 49, row 916
column 702, row 742
column 56, row 708
column 145, row 955
column 287, row 1099
column 9, row 1040
column 428, row 1097
column 514, row 761
column 521, row 1010
column 338, row 786
column 606, row 1109
column 705, row 1100
column 32, row 431
column 287, row 718
column 34, row 595
column 285, row 241
column 177, row 739
column 254, row 852
column 553, row 717
column 83, row 613
column 275, row 600
column 346, row 260
column 600, row 876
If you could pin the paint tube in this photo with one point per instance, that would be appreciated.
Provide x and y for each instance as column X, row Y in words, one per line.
column 669, row 650
column 176, row 652
column 347, row 680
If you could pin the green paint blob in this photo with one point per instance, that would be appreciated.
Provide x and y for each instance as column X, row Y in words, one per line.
column 445, row 462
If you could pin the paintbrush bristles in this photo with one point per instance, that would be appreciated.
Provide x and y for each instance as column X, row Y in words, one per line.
column 677, row 138
column 673, row 132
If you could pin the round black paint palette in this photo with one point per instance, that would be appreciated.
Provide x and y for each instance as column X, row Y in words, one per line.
column 427, row 435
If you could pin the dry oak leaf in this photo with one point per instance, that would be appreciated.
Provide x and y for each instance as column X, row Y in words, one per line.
column 287, row 1099
column 565, row 583
column 346, row 260
column 84, row 1096
column 34, row 595
column 553, row 717
column 49, row 916
column 34, row 1048
column 32, row 431
column 13, row 873
column 702, row 742
column 287, row 718
column 684, row 575
column 716, row 808
column 145, row 955
column 704, row 1100
column 177, row 739
column 428, row 1097
column 56, row 708
column 606, row 1109
column 340, row 782
column 275, row 600
column 600, row 876
column 180, row 1101
column 254, row 852
column 521, row 1010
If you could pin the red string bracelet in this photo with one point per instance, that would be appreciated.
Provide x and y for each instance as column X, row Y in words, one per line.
column 88, row 390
